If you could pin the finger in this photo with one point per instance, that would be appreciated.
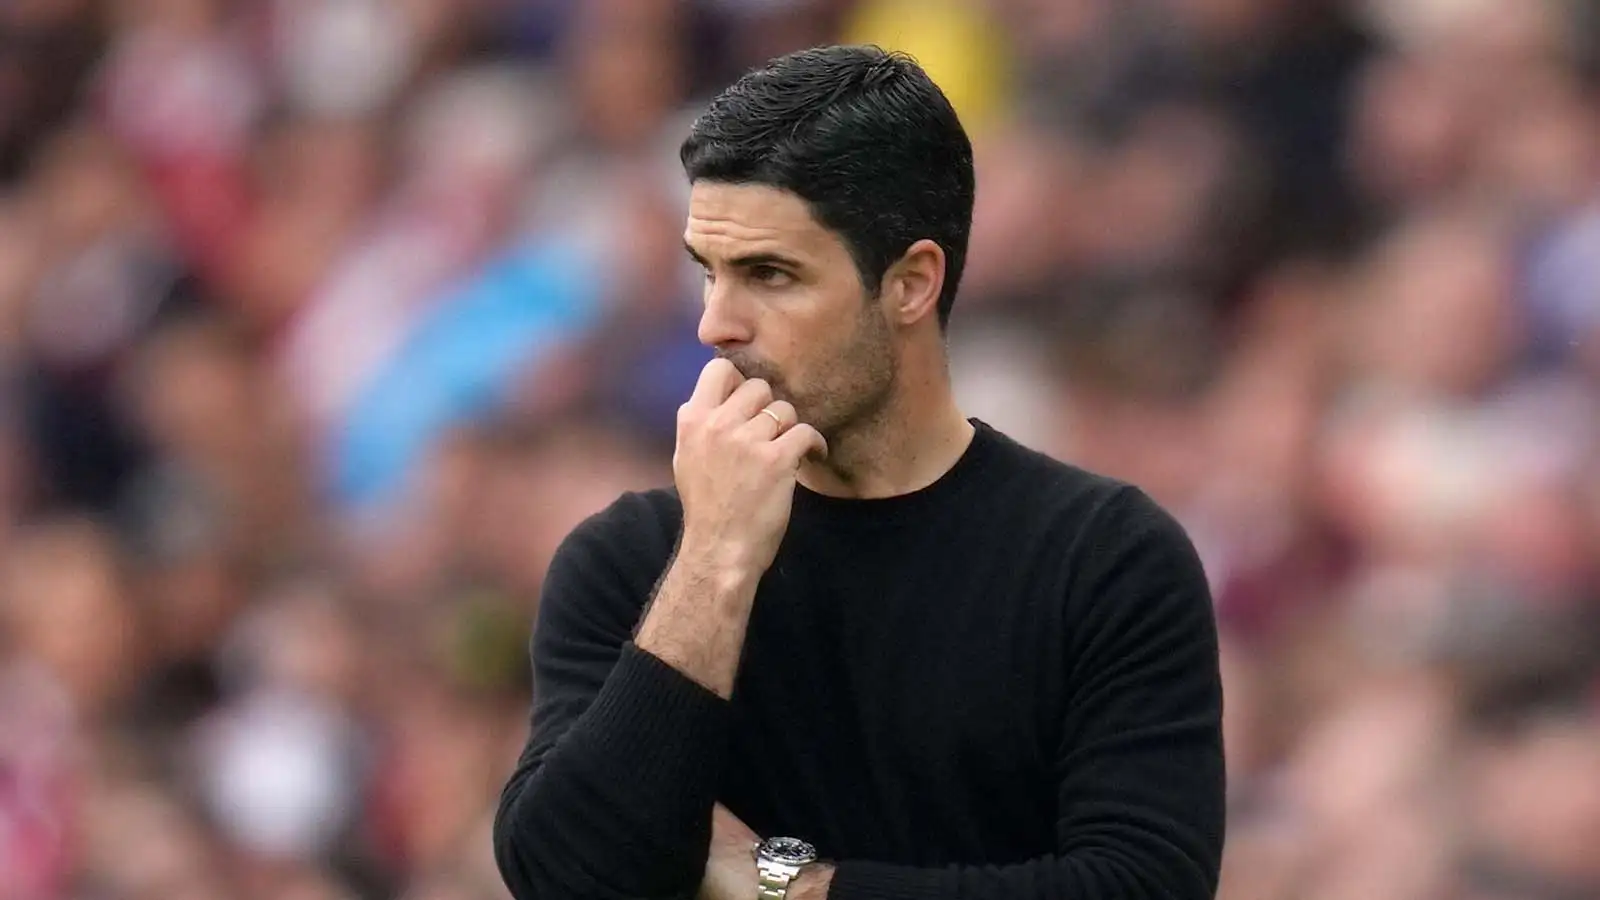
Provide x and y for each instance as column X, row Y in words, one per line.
column 801, row 441
column 748, row 400
column 773, row 419
column 717, row 382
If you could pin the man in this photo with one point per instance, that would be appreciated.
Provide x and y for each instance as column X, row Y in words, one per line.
column 863, row 627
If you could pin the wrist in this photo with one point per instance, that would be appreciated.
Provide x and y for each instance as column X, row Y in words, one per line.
column 788, row 869
column 724, row 566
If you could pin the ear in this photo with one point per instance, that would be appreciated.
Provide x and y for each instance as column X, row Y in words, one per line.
column 913, row 283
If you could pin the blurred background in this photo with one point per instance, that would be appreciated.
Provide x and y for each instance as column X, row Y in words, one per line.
column 322, row 321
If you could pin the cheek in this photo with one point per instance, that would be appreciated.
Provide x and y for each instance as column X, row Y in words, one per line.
column 821, row 343
column 814, row 352
column 858, row 358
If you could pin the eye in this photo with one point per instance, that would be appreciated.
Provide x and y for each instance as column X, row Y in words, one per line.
column 771, row 276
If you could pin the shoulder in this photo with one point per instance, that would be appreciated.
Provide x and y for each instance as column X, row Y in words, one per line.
column 634, row 515
column 1069, row 497
column 605, row 569
column 628, row 542
column 1093, row 516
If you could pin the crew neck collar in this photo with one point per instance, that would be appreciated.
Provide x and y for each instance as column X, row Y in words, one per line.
column 985, row 441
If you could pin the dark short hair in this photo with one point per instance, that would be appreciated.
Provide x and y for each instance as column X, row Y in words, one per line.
column 862, row 135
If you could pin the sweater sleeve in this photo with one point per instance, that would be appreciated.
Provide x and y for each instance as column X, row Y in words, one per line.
column 613, row 792
column 1140, row 774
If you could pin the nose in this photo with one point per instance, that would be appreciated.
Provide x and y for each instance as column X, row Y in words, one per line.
column 725, row 321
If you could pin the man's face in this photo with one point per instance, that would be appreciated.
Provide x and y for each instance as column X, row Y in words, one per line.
column 784, row 302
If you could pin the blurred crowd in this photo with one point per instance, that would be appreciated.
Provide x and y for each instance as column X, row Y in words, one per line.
column 322, row 321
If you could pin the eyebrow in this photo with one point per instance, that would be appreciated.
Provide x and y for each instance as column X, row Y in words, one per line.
column 749, row 260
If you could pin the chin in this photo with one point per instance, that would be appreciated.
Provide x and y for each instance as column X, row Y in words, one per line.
column 829, row 426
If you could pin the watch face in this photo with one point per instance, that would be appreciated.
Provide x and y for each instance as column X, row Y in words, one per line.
column 790, row 851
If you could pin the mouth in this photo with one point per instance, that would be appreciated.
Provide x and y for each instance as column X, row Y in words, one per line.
column 750, row 367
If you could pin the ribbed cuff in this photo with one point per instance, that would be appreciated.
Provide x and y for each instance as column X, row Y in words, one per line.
column 856, row 880
column 667, row 733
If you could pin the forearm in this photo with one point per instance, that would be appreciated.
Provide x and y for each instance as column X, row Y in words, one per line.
column 731, row 870
column 620, row 806
column 622, row 802
column 1087, row 877
column 1102, row 876
column 696, row 622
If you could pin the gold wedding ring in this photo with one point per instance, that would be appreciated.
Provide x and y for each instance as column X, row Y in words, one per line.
column 775, row 417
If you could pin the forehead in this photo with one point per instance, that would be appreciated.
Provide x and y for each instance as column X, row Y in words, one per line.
column 744, row 218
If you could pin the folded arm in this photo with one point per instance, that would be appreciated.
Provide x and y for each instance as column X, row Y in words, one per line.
column 612, row 796
column 1140, row 777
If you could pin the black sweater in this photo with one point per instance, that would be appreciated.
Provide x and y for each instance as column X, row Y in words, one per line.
column 1002, row 686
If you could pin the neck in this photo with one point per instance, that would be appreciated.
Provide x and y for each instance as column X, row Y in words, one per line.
column 918, row 436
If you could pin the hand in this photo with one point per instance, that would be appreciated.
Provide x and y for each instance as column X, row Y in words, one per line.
column 731, row 866
column 737, row 456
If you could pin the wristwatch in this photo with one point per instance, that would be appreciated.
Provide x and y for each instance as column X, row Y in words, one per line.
column 779, row 861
